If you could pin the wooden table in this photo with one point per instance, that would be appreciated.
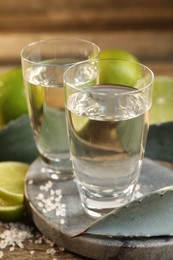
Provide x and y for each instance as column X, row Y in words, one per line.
column 145, row 28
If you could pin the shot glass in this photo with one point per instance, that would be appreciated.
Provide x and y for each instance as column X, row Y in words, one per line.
column 43, row 65
column 107, row 111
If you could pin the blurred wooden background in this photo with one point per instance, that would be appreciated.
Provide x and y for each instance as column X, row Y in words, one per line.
column 143, row 27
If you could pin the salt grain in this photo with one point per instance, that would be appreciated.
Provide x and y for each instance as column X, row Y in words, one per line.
column 32, row 252
column 14, row 235
column 51, row 251
column 39, row 240
column 50, row 200
column 62, row 221
column 47, row 186
column 40, row 204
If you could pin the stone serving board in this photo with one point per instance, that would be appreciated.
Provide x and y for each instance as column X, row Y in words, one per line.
column 62, row 229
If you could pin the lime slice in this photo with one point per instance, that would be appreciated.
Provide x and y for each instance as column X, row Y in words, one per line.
column 11, row 213
column 12, row 175
column 162, row 100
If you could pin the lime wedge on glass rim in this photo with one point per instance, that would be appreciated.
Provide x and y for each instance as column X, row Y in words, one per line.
column 12, row 176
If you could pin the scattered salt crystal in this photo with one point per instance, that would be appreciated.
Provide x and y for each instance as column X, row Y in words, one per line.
column 52, row 243
column 40, row 204
column 39, row 240
column 40, row 196
column 137, row 193
column 52, row 192
column 48, row 242
column 51, row 200
column 50, row 251
column 47, row 186
column 30, row 182
column 62, row 214
column 58, row 192
column 14, row 235
column 62, row 221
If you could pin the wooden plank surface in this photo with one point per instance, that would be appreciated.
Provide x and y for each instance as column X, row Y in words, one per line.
column 144, row 28
column 65, row 15
column 153, row 48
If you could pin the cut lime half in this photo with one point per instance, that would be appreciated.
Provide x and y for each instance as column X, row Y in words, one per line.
column 11, row 213
column 12, row 175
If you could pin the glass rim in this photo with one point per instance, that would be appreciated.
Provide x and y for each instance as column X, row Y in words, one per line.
column 109, row 59
column 49, row 40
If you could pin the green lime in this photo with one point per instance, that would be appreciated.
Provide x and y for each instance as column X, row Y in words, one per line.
column 11, row 213
column 162, row 100
column 117, row 72
column 79, row 122
column 12, row 96
column 2, row 120
column 12, row 176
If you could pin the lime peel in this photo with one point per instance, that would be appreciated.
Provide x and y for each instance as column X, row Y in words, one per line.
column 12, row 96
column 11, row 213
column 13, row 197
column 114, row 71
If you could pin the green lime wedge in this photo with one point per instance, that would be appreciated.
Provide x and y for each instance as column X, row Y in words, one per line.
column 12, row 175
column 11, row 213
column 162, row 100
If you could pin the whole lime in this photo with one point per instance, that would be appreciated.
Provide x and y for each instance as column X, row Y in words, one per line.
column 162, row 100
column 12, row 96
column 118, row 71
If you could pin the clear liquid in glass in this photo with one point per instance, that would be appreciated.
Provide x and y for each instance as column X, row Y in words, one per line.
column 45, row 99
column 107, row 143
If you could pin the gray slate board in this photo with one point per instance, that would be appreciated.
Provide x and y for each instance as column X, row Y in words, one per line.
column 153, row 176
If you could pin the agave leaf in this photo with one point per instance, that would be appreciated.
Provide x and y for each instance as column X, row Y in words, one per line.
column 160, row 142
column 17, row 142
column 151, row 215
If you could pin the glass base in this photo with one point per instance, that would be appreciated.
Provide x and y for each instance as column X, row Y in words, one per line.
column 59, row 169
column 96, row 205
